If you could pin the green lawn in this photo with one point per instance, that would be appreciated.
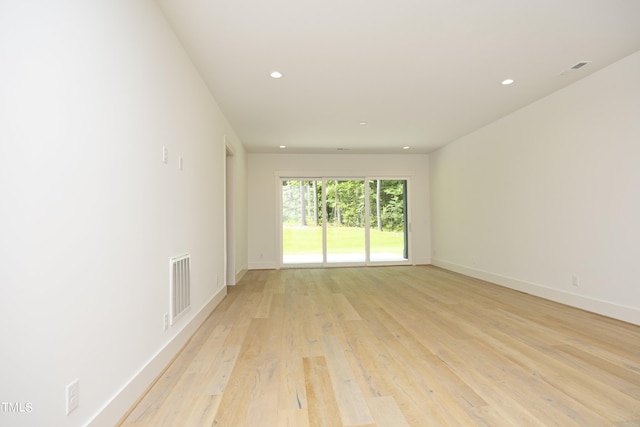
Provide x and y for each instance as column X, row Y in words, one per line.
column 308, row 240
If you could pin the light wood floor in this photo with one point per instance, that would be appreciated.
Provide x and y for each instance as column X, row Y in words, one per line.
column 396, row 346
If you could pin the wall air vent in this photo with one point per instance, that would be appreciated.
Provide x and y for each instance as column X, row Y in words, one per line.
column 180, row 286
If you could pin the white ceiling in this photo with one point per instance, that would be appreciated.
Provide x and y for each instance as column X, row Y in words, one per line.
column 421, row 73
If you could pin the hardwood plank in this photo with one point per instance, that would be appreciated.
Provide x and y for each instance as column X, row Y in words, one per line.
column 420, row 381
column 263, row 406
column 236, row 405
column 351, row 402
column 407, row 348
column 323, row 408
column 598, row 400
column 293, row 396
column 265, row 305
column 494, row 390
column 220, row 370
column 293, row 418
column 601, row 369
column 386, row 412
column 345, row 309
column 402, row 345
column 202, row 361
column 202, row 411
column 155, row 398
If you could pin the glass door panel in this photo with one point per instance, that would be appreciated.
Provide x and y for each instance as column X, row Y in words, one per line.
column 301, row 222
column 388, row 220
column 345, row 221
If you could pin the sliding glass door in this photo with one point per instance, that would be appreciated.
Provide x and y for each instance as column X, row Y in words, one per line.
column 345, row 213
column 302, row 222
column 388, row 220
column 347, row 221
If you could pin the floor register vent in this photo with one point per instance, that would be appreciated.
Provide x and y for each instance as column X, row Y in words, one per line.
column 180, row 286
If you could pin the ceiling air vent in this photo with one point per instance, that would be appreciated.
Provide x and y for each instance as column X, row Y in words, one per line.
column 579, row 65
column 576, row 67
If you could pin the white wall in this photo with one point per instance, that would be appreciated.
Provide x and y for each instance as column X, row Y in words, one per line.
column 550, row 192
column 89, row 94
column 263, row 208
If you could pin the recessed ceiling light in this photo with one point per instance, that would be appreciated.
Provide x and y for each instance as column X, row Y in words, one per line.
column 507, row 82
column 283, row 146
column 276, row 74
column 406, row 147
column 363, row 123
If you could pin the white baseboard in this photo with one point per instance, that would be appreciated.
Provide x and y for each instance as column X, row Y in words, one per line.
column 240, row 274
column 272, row 266
column 262, row 266
column 605, row 308
column 126, row 397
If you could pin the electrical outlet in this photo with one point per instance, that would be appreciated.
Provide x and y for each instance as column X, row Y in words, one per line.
column 165, row 154
column 73, row 396
column 166, row 321
column 575, row 280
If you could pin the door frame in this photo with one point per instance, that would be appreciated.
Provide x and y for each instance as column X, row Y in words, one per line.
column 282, row 176
column 229, row 216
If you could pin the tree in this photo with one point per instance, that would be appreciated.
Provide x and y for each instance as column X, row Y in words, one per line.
column 303, row 206
column 302, row 203
column 378, row 216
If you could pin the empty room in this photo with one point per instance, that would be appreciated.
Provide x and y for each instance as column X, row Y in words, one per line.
column 341, row 213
